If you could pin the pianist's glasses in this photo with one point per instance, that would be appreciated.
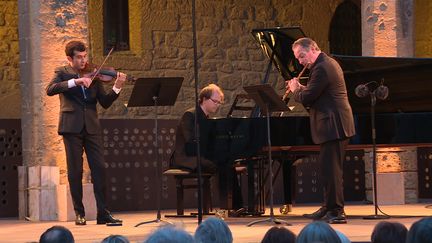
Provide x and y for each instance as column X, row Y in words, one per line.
column 217, row 102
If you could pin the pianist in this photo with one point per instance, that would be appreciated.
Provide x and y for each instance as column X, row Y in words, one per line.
column 331, row 122
column 210, row 98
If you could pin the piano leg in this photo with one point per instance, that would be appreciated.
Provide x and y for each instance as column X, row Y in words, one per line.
column 287, row 182
column 230, row 194
column 225, row 186
column 256, row 201
column 251, row 187
column 237, row 198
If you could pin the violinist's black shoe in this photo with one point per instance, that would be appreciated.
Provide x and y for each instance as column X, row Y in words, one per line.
column 80, row 220
column 317, row 214
column 105, row 217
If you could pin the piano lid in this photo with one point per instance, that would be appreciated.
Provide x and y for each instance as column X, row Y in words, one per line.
column 278, row 41
column 408, row 79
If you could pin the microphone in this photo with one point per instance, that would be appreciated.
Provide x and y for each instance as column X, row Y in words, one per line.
column 382, row 91
column 362, row 90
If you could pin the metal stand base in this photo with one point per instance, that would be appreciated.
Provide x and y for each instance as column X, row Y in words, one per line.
column 270, row 220
column 155, row 221
column 376, row 217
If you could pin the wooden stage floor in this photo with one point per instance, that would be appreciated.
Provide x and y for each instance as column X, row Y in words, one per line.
column 357, row 229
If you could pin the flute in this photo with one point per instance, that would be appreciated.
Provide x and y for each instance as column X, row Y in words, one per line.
column 298, row 76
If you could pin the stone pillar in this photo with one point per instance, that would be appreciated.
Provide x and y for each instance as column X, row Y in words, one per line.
column 44, row 29
column 387, row 28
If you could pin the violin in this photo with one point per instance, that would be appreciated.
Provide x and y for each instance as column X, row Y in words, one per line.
column 105, row 74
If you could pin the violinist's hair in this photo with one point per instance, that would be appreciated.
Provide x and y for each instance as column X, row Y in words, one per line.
column 207, row 92
column 73, row 46
column 306, row 43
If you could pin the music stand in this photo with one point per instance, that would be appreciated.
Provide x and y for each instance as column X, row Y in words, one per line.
column 268, row 101
column 155, row 92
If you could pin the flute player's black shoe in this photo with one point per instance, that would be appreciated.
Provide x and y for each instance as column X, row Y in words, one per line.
column 105, row 217
column 321, row 212
column 336, row 216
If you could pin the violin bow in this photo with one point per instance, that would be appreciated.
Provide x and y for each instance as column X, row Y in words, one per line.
column 100, row 67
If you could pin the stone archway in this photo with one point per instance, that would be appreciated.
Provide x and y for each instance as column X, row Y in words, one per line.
column 345, row 30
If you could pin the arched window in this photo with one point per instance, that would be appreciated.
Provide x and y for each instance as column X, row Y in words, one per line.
column 116, row 25
column 345, row 30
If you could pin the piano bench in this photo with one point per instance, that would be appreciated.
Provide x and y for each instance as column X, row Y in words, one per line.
column 181, row 176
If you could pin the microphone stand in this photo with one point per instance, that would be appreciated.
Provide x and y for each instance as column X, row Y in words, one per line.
column 374, row 163
column 197, row 135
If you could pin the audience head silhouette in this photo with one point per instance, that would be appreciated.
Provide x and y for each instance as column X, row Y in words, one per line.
column 169, row 234
column 57, row 234
column 420, row 231
column 279, row 234
column 115, row 239
column 318, row 231
column 213, row 230
column 389, row 232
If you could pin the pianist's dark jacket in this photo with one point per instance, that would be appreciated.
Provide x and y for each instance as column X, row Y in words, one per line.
column 185, row 149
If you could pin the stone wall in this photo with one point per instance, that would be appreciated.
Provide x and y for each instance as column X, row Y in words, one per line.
column 161, row 44
column 423, row 28
column 10, row 95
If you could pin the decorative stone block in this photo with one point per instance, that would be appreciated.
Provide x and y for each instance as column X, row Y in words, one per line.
column 411, row 196
column 47, row 199
column 391, row 190
column 42, row 183
column 22, row 192
column 388, row 160
column 409, row 159
column 410, row 180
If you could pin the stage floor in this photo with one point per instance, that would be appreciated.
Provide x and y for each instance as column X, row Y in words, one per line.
column 357, row 229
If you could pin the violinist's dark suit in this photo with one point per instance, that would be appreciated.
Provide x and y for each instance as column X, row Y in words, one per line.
column 79, row 125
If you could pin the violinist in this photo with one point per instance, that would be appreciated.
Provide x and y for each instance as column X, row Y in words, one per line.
column 79, row 92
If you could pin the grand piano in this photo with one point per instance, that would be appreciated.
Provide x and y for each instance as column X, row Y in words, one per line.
column 403, row 118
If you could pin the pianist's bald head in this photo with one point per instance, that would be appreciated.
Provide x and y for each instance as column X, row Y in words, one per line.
column 208, row 91
column 306, row 44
